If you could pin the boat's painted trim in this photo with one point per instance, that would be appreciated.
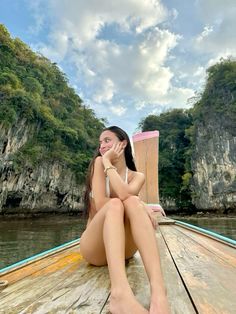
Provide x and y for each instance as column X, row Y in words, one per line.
column 155, row 207
column 144, row 135
column 38, row 256
column 207, row 232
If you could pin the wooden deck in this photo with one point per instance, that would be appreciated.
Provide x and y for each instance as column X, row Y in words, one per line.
column 199, row 273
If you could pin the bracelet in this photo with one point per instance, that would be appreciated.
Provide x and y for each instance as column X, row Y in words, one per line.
column 108, row 168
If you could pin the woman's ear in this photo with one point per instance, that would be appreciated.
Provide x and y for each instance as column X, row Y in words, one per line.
column 124, row 143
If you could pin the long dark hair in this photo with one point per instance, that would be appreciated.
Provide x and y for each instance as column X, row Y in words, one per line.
column 122, row 135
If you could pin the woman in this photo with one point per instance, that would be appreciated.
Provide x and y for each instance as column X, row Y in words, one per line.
column 119, row 224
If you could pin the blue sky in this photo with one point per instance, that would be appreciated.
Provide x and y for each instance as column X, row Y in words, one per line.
column 126, row 58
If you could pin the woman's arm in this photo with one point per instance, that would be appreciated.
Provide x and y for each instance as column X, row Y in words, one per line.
column 98, row 184
column 121, row 188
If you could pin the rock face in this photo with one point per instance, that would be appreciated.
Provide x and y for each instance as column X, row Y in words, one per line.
column 46, row 188
column 214, row 167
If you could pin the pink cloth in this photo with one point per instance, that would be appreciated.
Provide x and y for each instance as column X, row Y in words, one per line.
column 144, row 135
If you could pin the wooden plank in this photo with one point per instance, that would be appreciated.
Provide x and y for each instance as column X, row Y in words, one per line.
column 210, row 280
column 85, row 291
column 164, row 220
column 57, row 289
column 211, row 234
column 138, row 280
column 32, row 267
column 34, row 286
column 177, row 296
column 50, row 264
column 218, row 248
column 40, row 256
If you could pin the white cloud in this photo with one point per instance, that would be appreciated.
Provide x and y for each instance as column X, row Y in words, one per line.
column 118, row 110
column 56, row 52
column 138, row 70
column 179, row 97
column 140, row 105
column 91, row 16
column 217, row 36
column 215, row 9
column 108, row 68
column 206, row 31
column 120, row 49
column 39, row 17
column 105, row 93
column 199, row 72
column 175, row 98
column 219, row 57
column 175, row 13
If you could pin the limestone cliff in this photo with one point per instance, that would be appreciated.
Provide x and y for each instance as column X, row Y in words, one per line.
column 47, row 134
column 214, row 167
column 214, row 149
column 48, row 187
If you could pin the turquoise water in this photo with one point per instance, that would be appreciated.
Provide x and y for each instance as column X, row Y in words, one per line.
column 22, row 238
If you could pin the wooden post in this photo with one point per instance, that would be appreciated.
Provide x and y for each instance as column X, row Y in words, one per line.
column 146, row 160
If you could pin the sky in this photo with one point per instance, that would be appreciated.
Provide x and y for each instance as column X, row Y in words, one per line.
column 127, row 59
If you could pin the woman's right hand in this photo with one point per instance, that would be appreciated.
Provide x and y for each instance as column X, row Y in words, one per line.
column 114, row 153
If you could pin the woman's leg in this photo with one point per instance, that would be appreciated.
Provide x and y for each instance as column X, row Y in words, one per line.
column 104, row 242
column 91, row 243
column 144, row 237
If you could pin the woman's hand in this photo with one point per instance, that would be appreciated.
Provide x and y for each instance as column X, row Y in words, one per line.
column 114, row 153
column 160, row 209
column 151, row 215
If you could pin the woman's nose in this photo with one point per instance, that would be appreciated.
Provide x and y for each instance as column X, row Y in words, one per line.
column 103, row 145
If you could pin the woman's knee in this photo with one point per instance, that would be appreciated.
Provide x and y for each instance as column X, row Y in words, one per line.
column 114, row 205
column 115, row 201
column 115, row 208
column 131, row 204
column 132, row 200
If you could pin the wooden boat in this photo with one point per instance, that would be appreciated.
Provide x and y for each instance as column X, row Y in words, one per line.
column 199, row 268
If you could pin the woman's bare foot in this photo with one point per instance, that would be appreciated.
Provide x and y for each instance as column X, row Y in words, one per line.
column 125, row 303
column 159, row 305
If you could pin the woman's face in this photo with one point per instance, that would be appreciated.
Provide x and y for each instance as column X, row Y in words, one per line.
column 106, row 140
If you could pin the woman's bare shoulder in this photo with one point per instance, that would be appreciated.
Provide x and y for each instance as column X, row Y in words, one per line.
column 98, row 161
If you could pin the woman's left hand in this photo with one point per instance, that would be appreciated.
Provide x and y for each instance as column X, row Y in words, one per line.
column 151, row 215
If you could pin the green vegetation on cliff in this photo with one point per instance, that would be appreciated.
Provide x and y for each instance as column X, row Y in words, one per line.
column 35, row 90
column 218, row 100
